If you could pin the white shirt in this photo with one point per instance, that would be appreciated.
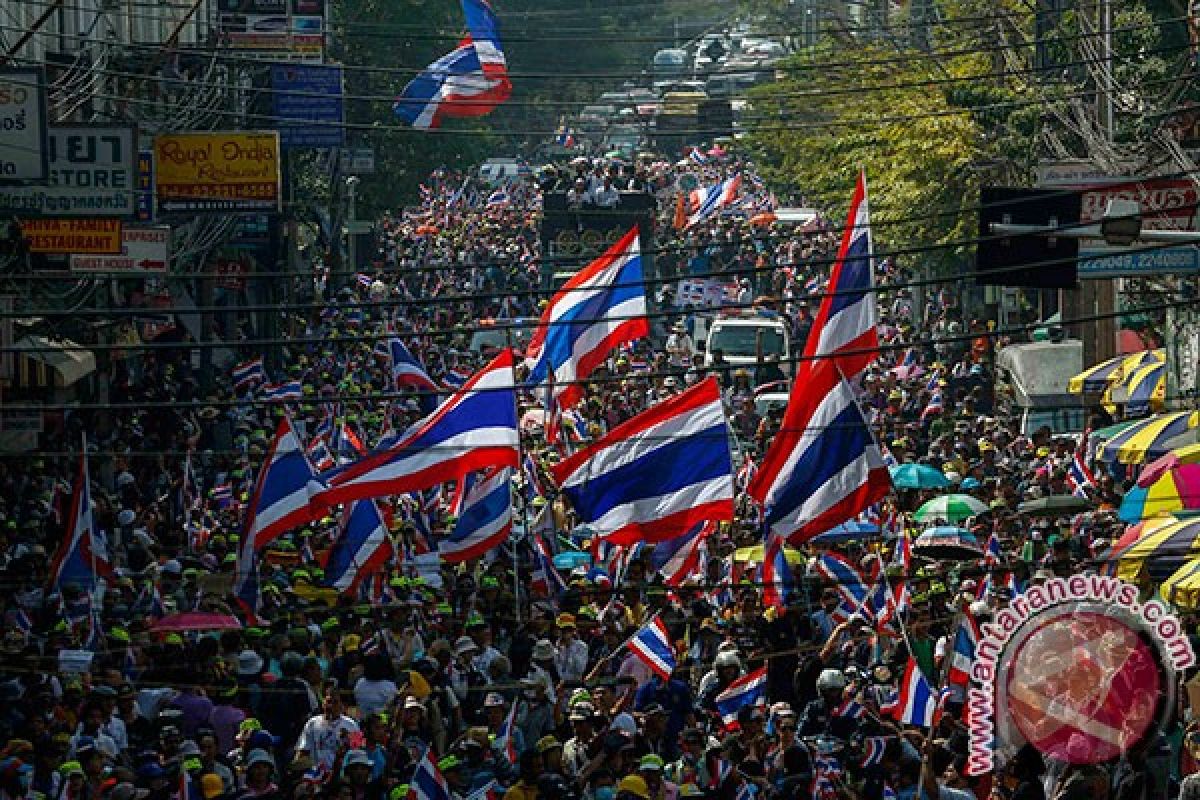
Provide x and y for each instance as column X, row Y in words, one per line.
column 321, row 737
column 571, row 660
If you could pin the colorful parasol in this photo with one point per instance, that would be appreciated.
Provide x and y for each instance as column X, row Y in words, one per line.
column 1159, row 467
column 1161, row 551
column 1182, row 588
column 1176, row 489
column 196, row 621
column 947, row 542
column 917, row 476
column 1145, row 389
column 847, row 532
column 1148, row 439
column 1103, row 375
column 950, row 508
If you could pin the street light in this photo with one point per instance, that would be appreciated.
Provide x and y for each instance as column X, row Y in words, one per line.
column 1121, row 224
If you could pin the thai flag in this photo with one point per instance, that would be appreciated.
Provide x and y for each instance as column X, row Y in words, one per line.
column 745, row 474
column 879, row 606
column 652, row 645
column 489, row 791
column 824, row 466
column 916, row 701
column 992, row 554
column 485, row 520
column 601, row 307
column 280, row 502
column 966, row 639
column 407, row 371
column 470, row 81
column 363, row 547
column 82, row 557
column 776, row 575
column 505, row 742
column 499, row 199
column 935, row 406
column 678, row 559
column 249, row 372
column 280, row 392
column 1079, row 477
column 709, row 200
column 545, row 581
column 748, row 690
column 902, row 557
column 455, row 378
column 850, row 708
column 221, row 496
column 697, row 157
column 320, row 455
column 841, row 575
column 935, row 378
column 745, row 792
column 427, row 782
column 845, row 324
column 564, row 137
column 364, row 281
column 347, row 445
column 657, row 475
column 874, row 748
column 535, row 486
column 474, row 429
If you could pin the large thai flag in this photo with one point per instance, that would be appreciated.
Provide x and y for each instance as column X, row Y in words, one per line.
column 474, row 429
column 427, row 782
column 363, row 547
column 655, row 476
column 678, row 559
column 407, row 371
column 280, row 392
column 748, row 690
column 469, row 81
column 824, row 467
column 601, row 307
column 845, row 324
column 709, row 200
column 840, row 575
column 776, row 575
column 652, row 645
column 485, row 520
column 280, row 503
column 916, row 702
column 82, row 557
column 966, row 638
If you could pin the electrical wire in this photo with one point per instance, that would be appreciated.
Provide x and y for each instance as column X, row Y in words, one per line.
column 931, row 341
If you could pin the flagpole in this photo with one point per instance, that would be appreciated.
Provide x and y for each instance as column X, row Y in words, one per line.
column 524, row 503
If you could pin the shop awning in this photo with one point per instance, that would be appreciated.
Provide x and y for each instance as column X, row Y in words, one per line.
column 49, row 364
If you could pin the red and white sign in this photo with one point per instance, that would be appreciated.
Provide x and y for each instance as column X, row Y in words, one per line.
column 1166, row 203
column 143, row 249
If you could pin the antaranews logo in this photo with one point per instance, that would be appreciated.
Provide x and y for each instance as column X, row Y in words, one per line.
column 1078, row 667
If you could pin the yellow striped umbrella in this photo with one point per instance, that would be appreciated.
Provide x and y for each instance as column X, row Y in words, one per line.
column 1161, row 551
column 1103, row 375
column 1147, row 439
column 1182, row 589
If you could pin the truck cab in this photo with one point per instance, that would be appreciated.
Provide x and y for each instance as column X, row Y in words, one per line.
column 1031, row 381
column 745, row 336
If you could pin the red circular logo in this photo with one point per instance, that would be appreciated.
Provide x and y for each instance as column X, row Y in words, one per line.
column 1083, row 687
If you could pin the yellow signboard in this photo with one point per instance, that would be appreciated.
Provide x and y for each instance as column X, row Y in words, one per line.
column 218, row 172
column 81, row 236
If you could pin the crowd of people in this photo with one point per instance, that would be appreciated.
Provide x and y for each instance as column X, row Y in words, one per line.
column 509, row 685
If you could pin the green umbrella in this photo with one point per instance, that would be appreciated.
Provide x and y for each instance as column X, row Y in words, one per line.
column 950, row 508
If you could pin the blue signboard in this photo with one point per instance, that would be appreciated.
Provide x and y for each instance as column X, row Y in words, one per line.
column 145, row 186
column 305, row 93
column 1135, row 262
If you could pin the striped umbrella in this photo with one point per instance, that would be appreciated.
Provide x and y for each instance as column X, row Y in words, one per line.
column 1099, row 377
column 1147, row 439
column 1177, row 489
column 1161, row 551
column 1182, row 588
column 1145, row 389
column 949, row 508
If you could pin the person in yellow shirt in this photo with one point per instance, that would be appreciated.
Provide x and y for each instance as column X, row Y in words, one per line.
column 529, row 770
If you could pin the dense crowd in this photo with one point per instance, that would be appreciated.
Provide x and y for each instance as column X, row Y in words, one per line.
column 509, row 688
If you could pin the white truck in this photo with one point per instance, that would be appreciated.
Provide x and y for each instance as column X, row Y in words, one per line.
column 744, row 336
column 1031, row 381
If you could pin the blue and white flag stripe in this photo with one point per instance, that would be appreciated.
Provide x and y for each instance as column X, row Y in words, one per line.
column 363, row 547
column 485, row 521
column 652, row 644
column 748, row 690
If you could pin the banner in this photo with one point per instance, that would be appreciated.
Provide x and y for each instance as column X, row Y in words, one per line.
column 217, row 172
column 87, row 236
column 23, row 155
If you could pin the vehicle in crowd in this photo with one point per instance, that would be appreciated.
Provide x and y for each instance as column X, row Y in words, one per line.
column 625, row 138
column 1031, row 382
column 747, row 337
column 498, row 171
column 494, row 335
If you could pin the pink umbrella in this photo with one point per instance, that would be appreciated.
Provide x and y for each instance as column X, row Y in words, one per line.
column 196, row 621
column 906, row 372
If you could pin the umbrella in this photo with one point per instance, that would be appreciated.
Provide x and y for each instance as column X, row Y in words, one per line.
column 1157, row 468
column 1162, row 551
column 950, row 508
column 1177, row 489
column 947, row 542
column 1147, row 439
column 1099, row 377
column 570, row 559
column 196, row 621
column 917, row 476
column 1054, row 505
column 1182, row 588
column 1145, row 389
column 847, row 532
column 755, row 554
